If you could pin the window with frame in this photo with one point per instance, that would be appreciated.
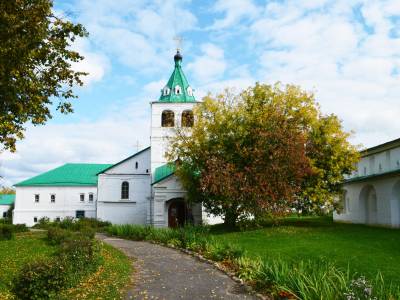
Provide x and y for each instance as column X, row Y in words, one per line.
column 136, row 165
column 79, row 214
column 82, row 197
column 35, row 219
column 125, row 190
column 91, row 197
column 57, row 219
column 5, row 214
column 167, row 118
column 187, row 118
column 37, row 197
column 52, row 198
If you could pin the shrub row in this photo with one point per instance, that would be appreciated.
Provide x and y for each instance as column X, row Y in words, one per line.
column 77, row 255
column 73, row 224
column 7, row 230
column 285, row 279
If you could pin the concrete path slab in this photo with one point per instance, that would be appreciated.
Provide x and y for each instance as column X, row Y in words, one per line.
column 164, row 273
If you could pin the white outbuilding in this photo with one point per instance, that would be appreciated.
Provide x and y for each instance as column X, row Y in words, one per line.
column 372, row 193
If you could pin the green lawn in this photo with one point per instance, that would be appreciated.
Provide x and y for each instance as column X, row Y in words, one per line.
column 107, row 283
column 366, row 250
column 23, row 248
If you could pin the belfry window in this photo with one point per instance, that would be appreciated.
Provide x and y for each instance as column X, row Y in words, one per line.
column 167, row 118
column 178, row 90
column 125, row 190
column 187, row 118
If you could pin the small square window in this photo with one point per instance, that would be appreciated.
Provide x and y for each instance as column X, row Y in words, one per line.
column 90, row 197
column 82, row 197
column 35, row 219
column 37, row 198
column 80, row 214
column 52, row 198
column 57, row 219
column 5, row 214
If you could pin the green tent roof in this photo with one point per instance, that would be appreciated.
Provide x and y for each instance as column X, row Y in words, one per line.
column 163, row 172
column 7, row 199
column 67, row 175
column 178, row 78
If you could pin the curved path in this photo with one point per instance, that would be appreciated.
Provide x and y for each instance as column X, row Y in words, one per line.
column 164, row 273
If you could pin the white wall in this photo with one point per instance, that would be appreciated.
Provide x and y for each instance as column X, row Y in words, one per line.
column 66, row 204
column 4, row 209
column 160, row 135
column 110, row 206
column 387, row 200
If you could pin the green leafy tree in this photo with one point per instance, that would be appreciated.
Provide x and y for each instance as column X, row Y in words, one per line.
column 261, row 152
column 35, row 65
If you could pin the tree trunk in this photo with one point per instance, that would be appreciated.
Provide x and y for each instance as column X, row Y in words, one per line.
column 231, row 217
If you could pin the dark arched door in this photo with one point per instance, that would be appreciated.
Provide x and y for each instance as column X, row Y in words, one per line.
column 176, row 213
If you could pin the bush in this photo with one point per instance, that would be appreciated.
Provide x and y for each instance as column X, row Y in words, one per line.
column 19, row 228
column 80, row 254
column 133, row 232
column 56, row 236
column 6, row 232
column 40, row 280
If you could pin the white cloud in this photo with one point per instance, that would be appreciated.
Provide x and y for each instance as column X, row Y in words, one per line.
column 108, row 140
column 138, row 34
column 94, row 63
column 324, row 47
column 234, row 11
column 209, row 66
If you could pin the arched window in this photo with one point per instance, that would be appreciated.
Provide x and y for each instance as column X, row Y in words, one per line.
column 167, row 118
column 178, row 90
column 187, row 118
column 166, row 91
column 125, row 190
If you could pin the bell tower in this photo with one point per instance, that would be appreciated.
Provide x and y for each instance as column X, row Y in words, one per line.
column 173, row 109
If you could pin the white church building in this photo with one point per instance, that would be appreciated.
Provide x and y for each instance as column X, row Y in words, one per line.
column 372, row 193
column 141, row 189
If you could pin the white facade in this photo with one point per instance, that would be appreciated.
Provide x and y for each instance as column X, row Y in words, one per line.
column 3, row 210
column 160, row 135
column 133, row 209
column 372, row 192
column 34, row 202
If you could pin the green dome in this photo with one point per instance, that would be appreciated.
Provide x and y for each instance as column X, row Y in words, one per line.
column 177, row 88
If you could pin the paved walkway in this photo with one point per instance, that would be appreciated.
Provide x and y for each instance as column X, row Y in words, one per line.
column 164, row 273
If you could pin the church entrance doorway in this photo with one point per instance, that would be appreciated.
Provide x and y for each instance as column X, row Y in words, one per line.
column 176, row 213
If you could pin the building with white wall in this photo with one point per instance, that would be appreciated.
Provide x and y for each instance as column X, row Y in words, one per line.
column 67, row 191
column 141, row 189
column 6, row 201
column 372, row 192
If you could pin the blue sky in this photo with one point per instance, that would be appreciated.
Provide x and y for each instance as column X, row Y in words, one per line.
column 346, row 51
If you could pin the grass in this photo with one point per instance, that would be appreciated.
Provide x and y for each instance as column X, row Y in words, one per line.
column 364, row 250
column 107, row 282
column 24, row 248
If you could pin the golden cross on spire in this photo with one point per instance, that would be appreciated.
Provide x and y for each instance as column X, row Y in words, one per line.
column 178, row 40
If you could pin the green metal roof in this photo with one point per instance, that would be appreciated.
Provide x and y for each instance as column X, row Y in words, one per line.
column 377, row 175
column 178, row 78
column 7, row 199
column 67, row 175
column 163, row 172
